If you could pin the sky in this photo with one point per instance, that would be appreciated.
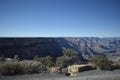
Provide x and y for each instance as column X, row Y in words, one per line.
column 59, row 18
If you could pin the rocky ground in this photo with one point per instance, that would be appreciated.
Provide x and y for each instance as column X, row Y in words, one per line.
column 86, row 75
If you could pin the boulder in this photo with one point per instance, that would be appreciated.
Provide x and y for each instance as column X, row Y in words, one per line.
column 9, row 59
column 55, row 69
column 73, row 69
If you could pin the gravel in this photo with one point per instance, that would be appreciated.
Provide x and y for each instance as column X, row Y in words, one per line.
column 86, row 75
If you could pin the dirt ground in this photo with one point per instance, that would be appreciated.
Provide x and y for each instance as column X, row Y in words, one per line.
column 86, row 75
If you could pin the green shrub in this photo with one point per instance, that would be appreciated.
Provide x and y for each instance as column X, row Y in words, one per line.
column 69, row 52
column 63, row 61
column 102, row 62
column 47, row 61
column 116, row 65
column 36, row 58
column 15, row 68
column 69, row 57
column 30, row 67
column 10, row 68
column 2, row 59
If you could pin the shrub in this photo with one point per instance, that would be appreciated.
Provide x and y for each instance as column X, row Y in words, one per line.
column 38, row 67
column 63, row 61
column 69, row 52
column 15, row 58
column 2, row 59
column 47, row 61
column 22, row 67
column 69, row 57
column 30, row 67
column 10, row 68
column 36, row 58
column 102, row 62
column 116, row 65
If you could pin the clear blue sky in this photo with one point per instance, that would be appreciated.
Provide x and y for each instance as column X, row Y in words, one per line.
column 59, row 18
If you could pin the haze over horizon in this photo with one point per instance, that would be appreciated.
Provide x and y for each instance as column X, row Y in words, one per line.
column 59, row 18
